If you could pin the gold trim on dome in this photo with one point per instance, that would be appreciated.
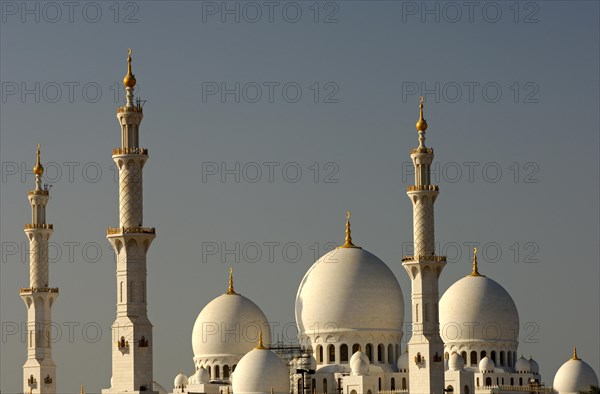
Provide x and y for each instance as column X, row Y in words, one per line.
column 348, row 241
column 230, row 289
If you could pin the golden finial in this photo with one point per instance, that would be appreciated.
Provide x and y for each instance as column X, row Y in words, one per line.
column 272, row 391
column 81, row 391
column 421, row 123
column 475, row 271
column 260, row 341
column 38, row 169
column 348, row 242
column 575, row 354
column 30, row 390
column 129, row 79
column 230, row 290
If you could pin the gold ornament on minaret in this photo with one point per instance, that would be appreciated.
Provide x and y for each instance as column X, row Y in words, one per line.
column 129, row 79
column 38, row 169
column 421, row 123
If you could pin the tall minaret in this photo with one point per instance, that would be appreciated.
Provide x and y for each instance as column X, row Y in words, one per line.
column 39, row 371
column 425, row 348
column 132, row 331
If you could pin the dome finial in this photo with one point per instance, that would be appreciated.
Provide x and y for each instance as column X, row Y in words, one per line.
column 575, row 354
column 129, row 79
column 475, row 271
column 38, row 169
column 348, row 242
column 421, row 123
column 260, row 341
column 81, row 390
column 230, row 290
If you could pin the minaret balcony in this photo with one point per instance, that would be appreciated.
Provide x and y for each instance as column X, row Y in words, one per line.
column 130, row 230
column 130, row 151
column 424, row 258
column 137, row 108
column 35, row 226
column 43, row 192
column 428, row 151
column 416, row 188
column 30, row 290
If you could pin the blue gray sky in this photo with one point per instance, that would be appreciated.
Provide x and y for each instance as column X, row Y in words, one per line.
column 265, row 123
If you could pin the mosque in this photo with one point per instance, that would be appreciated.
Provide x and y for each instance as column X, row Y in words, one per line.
column 465, row 341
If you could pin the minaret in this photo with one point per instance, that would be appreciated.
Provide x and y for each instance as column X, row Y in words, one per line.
column 39, row 371
column 132, row 331
column 425, row 348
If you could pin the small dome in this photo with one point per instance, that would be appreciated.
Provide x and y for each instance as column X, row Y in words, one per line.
column 522, row 365
column 487, row 365
column 346, row 286
column 535, row 367
column 359, row 364
column 456, row 362
column 180, row 381
column 228, row 325
column 403, row 362
column 260, row 371
column 574, row 376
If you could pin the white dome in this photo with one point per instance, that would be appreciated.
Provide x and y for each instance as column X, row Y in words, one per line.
column 535, row 367
column 259, row 371
column 573, row 376
column 403, row 361
column 456, row 362
column 180, row 381
column 522, row 365
column 200, row 377
column 354, row 290
column 477, row 309
column 359, row 364
column 228, row 325
column 487, row 365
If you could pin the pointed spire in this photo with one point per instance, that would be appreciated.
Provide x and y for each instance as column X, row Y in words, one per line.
column 129, row 79
column 575, row 354
column 421, row 124
column 475, row 270
column 260, row 342
column 348, row 242
column 230, row 289
column 38, row 169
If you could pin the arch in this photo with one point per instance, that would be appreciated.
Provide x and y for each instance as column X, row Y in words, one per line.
column 449, row 388
column 464, row 356
column 369, row 392
column 209, row 371
column 483, row 354
column 403, row 383
column 493, row 356
column 415, row 272
column 380, row 355
column 390, row 354
column 512, row 381
column 319, row 353
column 502, row 358
column 379, row 384
column 353, row 392
column 466, row 390
column 497, row 381
column 217, row 374
column 473, row 357
column 369, row 352
column 477, row 382
column 520, row 381
column 510, row 359
column 331, row 354
column 393, row 384
column 324, row 386
column 355, row 348
column 488, row 381
column 225, row 371
column 344, row 353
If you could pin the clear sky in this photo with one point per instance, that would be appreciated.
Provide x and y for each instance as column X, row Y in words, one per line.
column 321, row 120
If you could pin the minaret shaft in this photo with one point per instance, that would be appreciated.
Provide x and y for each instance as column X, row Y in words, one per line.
column 39, row 370
column 132, row 331
column 425, row 348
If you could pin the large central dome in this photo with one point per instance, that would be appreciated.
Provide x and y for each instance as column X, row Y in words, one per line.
column 349, row 289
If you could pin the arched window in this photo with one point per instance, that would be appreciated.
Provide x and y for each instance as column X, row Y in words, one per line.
column 477, row 382
column 324, row 386
column 497, row 381
column 512, row 381
column 464, row 357
column 369, row 352
column 473, row 357
column 209, row 369
column 510, row 359
column 319, row 353
column 520, row 381
column 403, row 383
column 331, row 354
column 390, row 354
column 225, row 371
column 483, row 354
column 502, row 358
column 344, row 353
column 393, row 384
column 380, row 352
column 353, row 392
column 379, row 384
column 494, row 356
column 449, row 388
column 488, row 381
column 217, row 375
column 466, row 389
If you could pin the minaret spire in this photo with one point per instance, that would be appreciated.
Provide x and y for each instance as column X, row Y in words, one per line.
column 425, row 347
column 132, row 331
column 230, row 289
column 348, row 241
column 575, row 354
column 475, row 271
column 39, row 371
